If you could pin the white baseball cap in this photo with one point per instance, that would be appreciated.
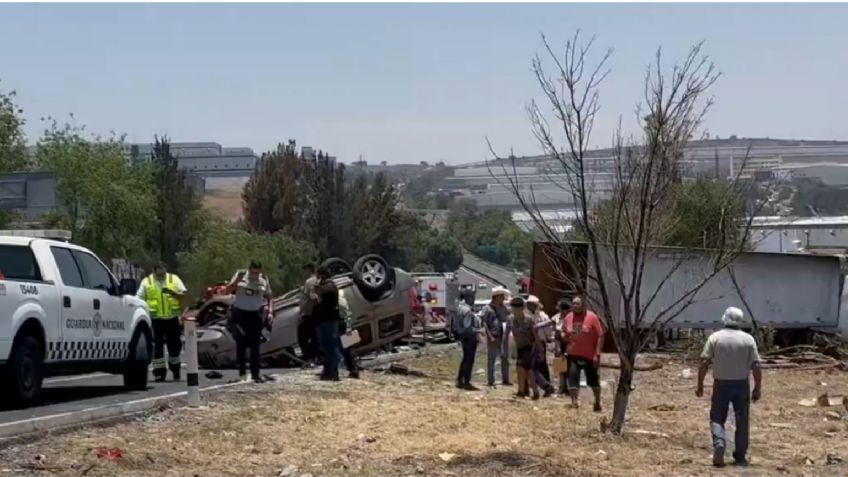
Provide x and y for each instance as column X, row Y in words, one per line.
column 533, row 299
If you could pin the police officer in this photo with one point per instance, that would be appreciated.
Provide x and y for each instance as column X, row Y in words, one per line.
column 164, row 293
column 251, row 310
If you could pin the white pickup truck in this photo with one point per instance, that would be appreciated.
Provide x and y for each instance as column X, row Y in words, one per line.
column 63, row 312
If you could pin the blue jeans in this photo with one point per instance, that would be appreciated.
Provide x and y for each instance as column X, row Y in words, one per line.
column 725, row 393
column 328, row 336
column 497, row 349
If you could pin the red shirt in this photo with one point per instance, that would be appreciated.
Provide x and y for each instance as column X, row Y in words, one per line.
column 583, row 340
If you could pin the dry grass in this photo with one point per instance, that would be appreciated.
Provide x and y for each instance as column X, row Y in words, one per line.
column 398, row 425
column 224, row 203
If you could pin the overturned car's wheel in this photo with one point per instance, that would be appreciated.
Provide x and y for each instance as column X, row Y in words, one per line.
column 373, row 276
column 335, row 266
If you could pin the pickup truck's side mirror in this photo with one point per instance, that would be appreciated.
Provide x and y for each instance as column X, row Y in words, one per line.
column 128, row 286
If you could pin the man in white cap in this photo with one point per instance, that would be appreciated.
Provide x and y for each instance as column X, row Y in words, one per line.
column 733, row 356
column 496, row 324
column 543, row 330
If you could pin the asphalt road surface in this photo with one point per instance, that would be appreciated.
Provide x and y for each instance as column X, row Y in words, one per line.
column 497, row 273
column 74, row 393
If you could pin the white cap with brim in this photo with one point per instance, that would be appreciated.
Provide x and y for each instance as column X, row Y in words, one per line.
column 499, row 291
column 533, row 299
column 735, row 317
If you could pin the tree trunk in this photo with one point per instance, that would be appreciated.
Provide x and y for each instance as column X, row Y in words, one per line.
column 622, row 395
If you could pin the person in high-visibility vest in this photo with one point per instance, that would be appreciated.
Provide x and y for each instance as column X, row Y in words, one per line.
column 164, row 293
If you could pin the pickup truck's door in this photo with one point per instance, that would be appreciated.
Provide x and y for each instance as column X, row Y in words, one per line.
column 111, row 323
column 77, row 317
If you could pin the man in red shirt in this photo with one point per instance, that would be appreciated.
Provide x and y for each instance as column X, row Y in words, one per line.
column 584, row 337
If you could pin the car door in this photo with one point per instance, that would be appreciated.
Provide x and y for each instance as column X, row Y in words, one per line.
column 78, row 340
column 109, row 322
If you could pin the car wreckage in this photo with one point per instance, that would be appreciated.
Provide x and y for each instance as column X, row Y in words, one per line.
column 380, row 298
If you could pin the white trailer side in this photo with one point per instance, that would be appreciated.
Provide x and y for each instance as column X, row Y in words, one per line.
column 785, row 291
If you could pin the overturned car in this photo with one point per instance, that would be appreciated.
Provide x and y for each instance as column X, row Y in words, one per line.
column 380, row 299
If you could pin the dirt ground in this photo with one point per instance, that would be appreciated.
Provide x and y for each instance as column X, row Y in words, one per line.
column 388, row 424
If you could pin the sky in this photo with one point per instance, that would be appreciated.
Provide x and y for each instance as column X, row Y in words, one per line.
column 405, row 82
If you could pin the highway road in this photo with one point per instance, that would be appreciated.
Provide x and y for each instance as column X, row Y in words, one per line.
column 76, row 393
column 496, row 273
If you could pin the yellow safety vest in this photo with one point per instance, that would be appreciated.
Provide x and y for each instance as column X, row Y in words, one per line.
column 160, row 304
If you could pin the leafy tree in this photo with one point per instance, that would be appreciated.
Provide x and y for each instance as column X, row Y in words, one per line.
column 13, row 152
column 224, row 248
column 444, row 252
column 177, row 205
column 491, row 229
column 707, row 214
column 315, row 200
column 106, row 202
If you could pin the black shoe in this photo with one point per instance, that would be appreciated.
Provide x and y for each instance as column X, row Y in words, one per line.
column 353, row 375
column 470, row 387
column 718, row 457
column 459, row 385
column 491, row 385
column 549, row 392
column 159, row 379
column 507, row 383
column 176, row 375
column 521, row 395
column 535, row 396
column 258, row 380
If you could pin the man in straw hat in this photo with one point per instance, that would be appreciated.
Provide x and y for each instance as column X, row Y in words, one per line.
column 496, row 324
column 733, row 355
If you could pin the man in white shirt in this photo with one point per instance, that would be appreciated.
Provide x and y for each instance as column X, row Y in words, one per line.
column 733, row 356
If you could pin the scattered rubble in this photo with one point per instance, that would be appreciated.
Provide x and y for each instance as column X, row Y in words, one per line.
column 823, row 400
column 402, row 370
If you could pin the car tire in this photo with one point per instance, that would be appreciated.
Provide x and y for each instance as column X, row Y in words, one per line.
column 24, row 373
column 135, row 373
column 336, row 266
column 373, row 276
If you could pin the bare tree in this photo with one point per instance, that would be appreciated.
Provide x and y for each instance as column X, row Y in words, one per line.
column 621, row 214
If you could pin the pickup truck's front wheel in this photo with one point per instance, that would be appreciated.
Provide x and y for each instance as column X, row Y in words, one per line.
column 135, row 374
column 24, row 372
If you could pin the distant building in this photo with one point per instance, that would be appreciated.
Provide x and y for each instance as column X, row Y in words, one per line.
column 828, row 173
column 30, row 194
column 205, row 159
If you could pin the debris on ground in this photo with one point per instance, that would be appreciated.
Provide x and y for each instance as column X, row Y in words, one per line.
column 447, row 457
column 109, row 454
column 402, row 370
column 687, row 373
column 827, row 354
column 661, row 407
column 288, row 471
column 823, row 400
column 782, row 425
column 833, row 459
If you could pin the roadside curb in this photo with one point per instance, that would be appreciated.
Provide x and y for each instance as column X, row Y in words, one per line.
column 33, row 428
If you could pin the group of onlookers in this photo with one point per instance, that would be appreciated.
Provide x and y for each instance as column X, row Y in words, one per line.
column 573, row 335
column 576, row 335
